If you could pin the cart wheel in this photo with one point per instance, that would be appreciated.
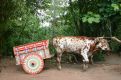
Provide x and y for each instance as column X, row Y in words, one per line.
column 33, row 63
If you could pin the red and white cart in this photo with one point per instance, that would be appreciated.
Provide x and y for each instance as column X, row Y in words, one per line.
column 31, row 56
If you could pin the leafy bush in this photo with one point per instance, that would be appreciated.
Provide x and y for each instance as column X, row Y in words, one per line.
column 91, row 17
column 19, row 23
column 99, row 56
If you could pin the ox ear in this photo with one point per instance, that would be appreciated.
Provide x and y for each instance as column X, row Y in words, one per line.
column 97, row 39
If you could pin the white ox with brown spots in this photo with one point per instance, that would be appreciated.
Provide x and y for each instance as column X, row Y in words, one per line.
column 82, row 45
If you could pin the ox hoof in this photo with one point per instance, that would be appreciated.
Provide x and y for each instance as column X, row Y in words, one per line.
column 91, row 63
column 59, row 67
column 85, row 67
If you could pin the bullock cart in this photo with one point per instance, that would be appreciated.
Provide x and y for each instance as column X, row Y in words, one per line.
column 31, row 56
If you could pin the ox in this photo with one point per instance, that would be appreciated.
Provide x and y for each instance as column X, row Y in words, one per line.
column 85, row 46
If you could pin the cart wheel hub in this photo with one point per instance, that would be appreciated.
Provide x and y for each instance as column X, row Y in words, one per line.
column 33, row 64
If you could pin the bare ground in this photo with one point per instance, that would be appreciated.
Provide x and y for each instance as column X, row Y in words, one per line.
column 110, row 69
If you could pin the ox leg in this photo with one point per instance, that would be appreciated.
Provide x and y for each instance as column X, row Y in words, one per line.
column 91, row 59
column 85, row 61
column 85, row 65
column 59, row 60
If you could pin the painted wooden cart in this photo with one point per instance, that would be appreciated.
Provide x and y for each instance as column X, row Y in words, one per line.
column 31, row 56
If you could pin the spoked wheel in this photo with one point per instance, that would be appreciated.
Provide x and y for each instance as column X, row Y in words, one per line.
column 33, row 63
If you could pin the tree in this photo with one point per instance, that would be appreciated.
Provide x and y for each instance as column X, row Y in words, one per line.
column 18, row 25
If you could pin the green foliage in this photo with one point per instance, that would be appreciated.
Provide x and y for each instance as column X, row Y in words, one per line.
column 20, row 27
column 116, row 47
column 19, row 23
column 91, row 17
column 99, row 56
column 115, row 6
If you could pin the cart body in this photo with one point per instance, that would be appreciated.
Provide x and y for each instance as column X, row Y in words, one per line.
column 27, row 50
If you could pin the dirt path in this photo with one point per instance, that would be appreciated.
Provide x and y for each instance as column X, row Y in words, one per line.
column 107, row 71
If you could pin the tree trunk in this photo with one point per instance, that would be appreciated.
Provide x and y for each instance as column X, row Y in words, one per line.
column 76, row 21
column 81, row 6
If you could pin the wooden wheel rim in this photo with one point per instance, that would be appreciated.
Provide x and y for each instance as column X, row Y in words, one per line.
column 33, row 63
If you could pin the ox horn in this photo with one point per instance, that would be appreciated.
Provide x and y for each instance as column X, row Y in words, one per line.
column 97, row 39
column 106, row 37
column 100, row 37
